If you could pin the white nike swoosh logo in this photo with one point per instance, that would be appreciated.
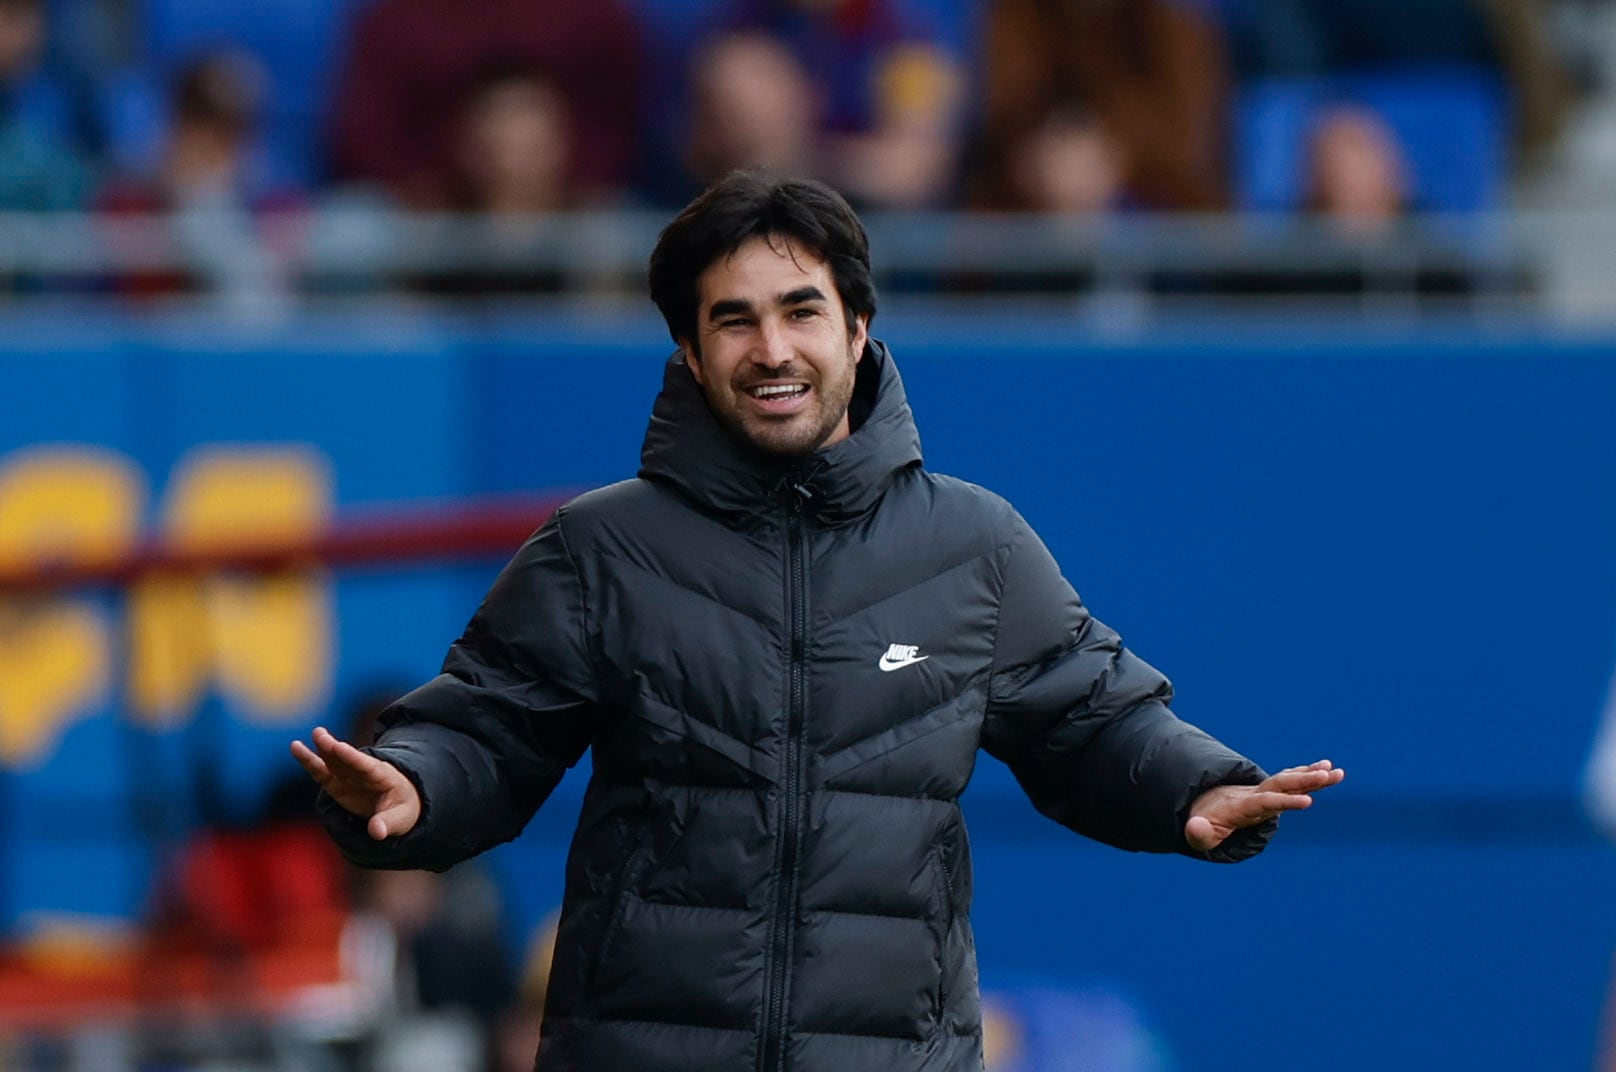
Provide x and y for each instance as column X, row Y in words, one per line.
column 889, row 664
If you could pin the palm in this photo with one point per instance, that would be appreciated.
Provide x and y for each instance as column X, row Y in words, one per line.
column 362, row 784
column 1220, row 811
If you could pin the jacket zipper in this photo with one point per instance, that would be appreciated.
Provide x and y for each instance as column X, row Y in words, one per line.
column 772, row 1053
column 948, row 932
column 614, row 923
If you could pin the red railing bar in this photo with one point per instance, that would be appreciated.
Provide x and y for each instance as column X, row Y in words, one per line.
column 459, row 529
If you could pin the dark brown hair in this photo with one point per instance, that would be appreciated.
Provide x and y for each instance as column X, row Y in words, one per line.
column 758, row 204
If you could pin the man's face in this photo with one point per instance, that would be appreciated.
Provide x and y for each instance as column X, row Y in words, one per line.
column 772, row 351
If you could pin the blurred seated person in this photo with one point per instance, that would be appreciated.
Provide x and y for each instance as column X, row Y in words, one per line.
column 452, row 956
column 41, row 168
column 218, row 222
column 883, row 95
column 513, row 155
column 411, row 64
column 1066, row 165
column 1411, row 98
column 1358, row 177
column 514, row 145
column 519, row 1034
column 752, row 105
column 1090, row 105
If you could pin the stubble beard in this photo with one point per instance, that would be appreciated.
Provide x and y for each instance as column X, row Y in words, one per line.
column 795, row 439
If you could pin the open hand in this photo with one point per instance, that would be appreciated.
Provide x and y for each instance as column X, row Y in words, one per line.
column 363, row 784
column 1222, row 810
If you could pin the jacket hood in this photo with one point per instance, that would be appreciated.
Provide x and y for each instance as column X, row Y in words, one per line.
column 686, row 446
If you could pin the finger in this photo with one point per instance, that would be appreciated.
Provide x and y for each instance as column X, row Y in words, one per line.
column 1261, row 806
column 311, row 762
column 1327, row 776
column 345, row 757
column 1256, row 807
column 329, row 744
column 1322, row 764
column 1304, row 780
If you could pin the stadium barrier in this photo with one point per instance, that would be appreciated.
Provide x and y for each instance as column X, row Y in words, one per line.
column 1392, row 548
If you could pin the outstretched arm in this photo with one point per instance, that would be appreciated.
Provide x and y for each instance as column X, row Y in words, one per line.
column 1085, row 726
column 463, row 761
column 1223, row 809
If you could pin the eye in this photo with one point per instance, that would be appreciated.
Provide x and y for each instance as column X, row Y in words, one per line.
column 804, row 314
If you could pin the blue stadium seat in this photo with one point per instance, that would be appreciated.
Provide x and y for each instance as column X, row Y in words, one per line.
column 1451, row 123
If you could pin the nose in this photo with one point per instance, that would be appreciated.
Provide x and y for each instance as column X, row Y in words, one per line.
column 773, row 348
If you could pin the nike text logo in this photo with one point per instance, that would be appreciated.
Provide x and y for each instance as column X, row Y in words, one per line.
column 901, row 655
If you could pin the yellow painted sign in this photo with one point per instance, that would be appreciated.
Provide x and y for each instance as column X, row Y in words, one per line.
column 263, row 642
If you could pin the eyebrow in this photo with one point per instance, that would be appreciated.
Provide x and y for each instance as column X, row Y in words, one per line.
column 801, row 295
column 728, row 307
column 733, row 306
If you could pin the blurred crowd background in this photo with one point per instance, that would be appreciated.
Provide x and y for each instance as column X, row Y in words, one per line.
column 279, row 143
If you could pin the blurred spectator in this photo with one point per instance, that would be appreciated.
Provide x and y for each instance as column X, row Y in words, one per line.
column 295, row 41
column 1093, row 104
column 40, row 168
column 1356, row 170
column 753, row 105
column 671, row 33
column 1340, row 101
column 1541, row 83
column 514, row 145
column 411, row 64
column 518, row 1037
column 220, row 223
column 513, row 150
column 880, row 94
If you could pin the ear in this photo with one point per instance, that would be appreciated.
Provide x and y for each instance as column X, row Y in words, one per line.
column 692, row 361
column 861, row 337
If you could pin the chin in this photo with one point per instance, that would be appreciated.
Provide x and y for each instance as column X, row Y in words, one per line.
column 784, row 450
column 782, row 442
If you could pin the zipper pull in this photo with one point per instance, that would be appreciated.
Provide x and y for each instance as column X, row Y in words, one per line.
column 802, row 483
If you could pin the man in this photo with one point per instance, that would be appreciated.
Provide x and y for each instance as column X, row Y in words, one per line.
column 785, row 641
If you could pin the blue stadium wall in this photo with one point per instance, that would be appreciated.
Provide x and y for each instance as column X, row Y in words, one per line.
column 1395, row 550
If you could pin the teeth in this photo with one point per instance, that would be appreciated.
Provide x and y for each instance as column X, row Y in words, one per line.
column 778, row 390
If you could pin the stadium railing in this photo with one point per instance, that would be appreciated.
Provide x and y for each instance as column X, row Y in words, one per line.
column 1484, row 262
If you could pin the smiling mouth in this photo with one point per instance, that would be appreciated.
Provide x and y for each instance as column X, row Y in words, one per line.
column 781, row 392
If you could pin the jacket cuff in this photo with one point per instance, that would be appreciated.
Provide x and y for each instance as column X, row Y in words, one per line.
column 415, row 850
column 1243, row 844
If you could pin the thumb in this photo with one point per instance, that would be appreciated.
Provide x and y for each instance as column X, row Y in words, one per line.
column 394, row 820
column 1201, row 834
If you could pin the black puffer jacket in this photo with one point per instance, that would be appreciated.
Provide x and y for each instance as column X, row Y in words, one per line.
column 785, row 677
